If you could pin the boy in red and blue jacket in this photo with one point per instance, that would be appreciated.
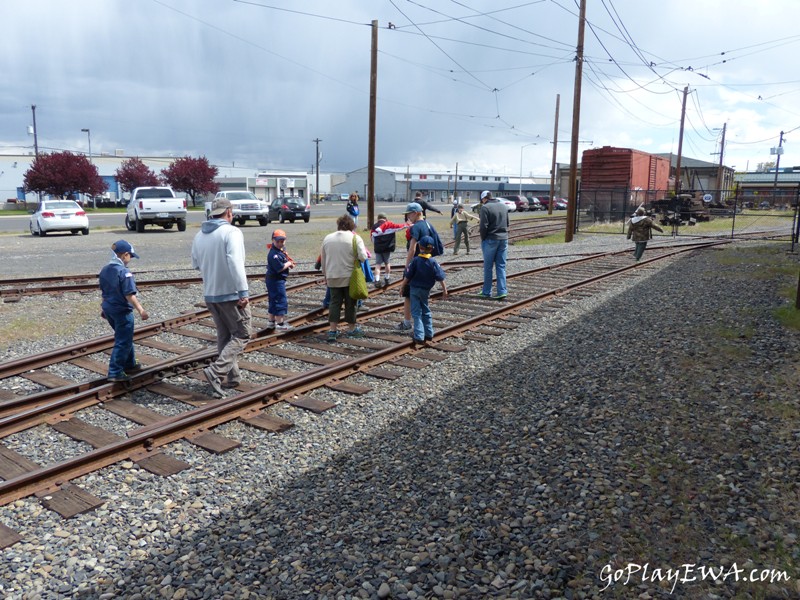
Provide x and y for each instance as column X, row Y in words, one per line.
column 384, row 243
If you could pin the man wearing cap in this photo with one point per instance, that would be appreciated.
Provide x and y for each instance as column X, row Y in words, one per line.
column 417, row 230
column 384, row 243
column 119, row 291
column 218, row 253
column 494, row 244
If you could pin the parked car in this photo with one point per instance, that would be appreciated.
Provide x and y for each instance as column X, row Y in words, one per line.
column 520, row 202
column 289, row 208
column 246, row 206
column 155, row 205
column 58, row 215
column 560, row 204
column 535, row 204
column 764, row 205
column 510, row 204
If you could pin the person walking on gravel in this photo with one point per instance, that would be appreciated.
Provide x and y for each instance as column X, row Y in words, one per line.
column 119, row 301
column 641, row 231
column 339, row 252
column 218, row 253
column 278, row 265
column 460, row 221
column 494, row 244
column 422, row 274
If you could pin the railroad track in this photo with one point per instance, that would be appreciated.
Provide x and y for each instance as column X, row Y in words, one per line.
column 175, row 352
column 13, row 289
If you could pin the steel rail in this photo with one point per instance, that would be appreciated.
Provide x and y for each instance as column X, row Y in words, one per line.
column 143, row 441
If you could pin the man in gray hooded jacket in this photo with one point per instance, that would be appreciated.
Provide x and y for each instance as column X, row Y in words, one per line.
column 641, row 231
column 218, row 253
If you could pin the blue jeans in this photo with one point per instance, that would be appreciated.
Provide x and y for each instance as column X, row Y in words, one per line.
column 494, row 255
column 122, row 356
column 421, row 313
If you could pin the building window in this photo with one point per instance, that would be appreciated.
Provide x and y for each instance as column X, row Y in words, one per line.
column 497, row 179
column 484, row 179
column 423, row 176
column 472, row 177
column 437, row 176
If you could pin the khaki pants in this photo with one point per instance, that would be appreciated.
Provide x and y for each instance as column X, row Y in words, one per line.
column 233, row 332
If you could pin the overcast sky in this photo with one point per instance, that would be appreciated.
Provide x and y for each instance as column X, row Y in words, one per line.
column 468, row 81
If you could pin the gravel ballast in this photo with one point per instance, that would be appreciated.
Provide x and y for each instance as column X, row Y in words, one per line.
column 655, row 423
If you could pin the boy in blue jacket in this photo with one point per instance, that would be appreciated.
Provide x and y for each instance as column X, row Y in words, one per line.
column 119, row 300
column 422, row 274
column 278, row 265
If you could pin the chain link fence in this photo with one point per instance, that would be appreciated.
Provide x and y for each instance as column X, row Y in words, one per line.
column 712, row 213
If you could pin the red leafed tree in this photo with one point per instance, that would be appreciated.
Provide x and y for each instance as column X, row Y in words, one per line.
column 63, row 173
column 133, row 173
column 193, row 176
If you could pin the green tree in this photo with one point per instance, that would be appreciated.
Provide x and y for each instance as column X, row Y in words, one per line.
column 62, row 174
column 193, row 176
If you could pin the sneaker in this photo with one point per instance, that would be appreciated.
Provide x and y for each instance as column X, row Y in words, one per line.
column 213, row 382
column 119, row 377
column 137, row 366
column 283, row 327
column 332, row 335
column 229, row 385
column 385, row 282
column 377, row 285
column 270, row 325
column 501, row 296
column 415, row 343
column 482, row 295
column 455, row 253
column 401, row 326
column 356, row 333
column 428, row 338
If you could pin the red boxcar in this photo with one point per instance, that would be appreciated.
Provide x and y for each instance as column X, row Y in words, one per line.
column 615, row 180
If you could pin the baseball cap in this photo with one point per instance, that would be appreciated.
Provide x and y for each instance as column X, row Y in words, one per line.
column 412, row 207
column 382, row 216
column 279, row 234
column 486, row 194
column 426, row 241
column 220, row 206
column 122, row 246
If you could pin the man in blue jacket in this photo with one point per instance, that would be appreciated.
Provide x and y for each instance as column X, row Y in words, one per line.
column 218, row 253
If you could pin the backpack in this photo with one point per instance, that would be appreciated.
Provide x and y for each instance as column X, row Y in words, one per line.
column 438, row 247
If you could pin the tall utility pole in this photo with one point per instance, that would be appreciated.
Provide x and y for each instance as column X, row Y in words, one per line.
column 778, row 151
column 455, row 184
column 680, row 145
column 316, row 187
column 572, row 207
column 35, row 139
column 373, row 101
column 720, row 183
column 553, row 165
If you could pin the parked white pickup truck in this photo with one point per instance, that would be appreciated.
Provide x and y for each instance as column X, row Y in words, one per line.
column 246, row 206
column 155, row 206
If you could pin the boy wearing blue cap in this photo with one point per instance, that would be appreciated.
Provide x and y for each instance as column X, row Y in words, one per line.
column 421, row 275
column 119, row 300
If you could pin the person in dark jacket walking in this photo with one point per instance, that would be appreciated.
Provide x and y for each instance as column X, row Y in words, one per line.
column 119, row 301
column 278, row 265
column 494, row 244
column 384, row 243
column 422, row 274
column 426, row 206
column 352, row 207
column 641, row 231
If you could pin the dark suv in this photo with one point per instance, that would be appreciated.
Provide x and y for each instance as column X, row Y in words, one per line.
column 289, row 208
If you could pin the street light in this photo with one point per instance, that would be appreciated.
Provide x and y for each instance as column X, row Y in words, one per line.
column 89, row 136
column 520, row 165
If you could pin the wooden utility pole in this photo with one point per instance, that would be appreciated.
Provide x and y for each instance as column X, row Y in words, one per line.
column 553, row 165
column 720, row 183
column 35, row 138
column 572, row 207
column 777, row 151
column 373, row 101
column 680, row 145
column 455, row 184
